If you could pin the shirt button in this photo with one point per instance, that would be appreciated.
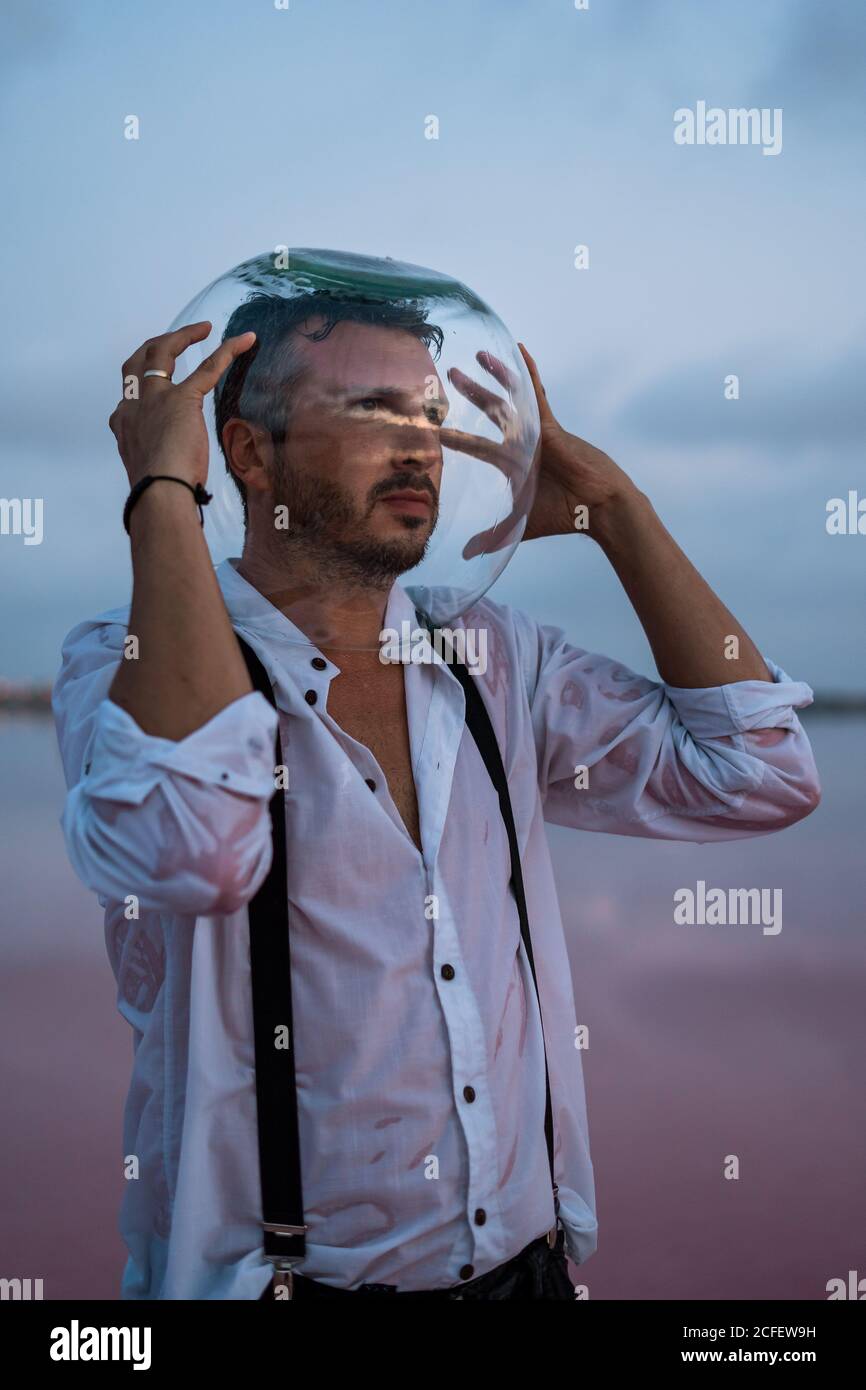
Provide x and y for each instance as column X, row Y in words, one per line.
column 318, row 663
column 370, row 783
column 480, row 1216
column 447, row 972
column 467, row 1271
column 468, row 1093
column 310, row 697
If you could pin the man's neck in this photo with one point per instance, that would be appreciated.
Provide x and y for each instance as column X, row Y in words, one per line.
column 336, row 616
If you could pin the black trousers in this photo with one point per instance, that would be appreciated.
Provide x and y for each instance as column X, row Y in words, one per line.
column 536, row 1272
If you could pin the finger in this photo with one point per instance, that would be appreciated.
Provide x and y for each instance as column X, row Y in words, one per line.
column 497, row 537
column 507, row 531
column 478, row 447
column 535, row 378
column 494, row 407
column 497, row 368
column 208, row 373
column 163, row 351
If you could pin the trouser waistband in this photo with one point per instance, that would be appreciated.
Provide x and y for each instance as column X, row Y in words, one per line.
column 311, row 1288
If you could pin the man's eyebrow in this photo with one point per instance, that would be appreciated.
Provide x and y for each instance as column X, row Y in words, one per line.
column 363, row 389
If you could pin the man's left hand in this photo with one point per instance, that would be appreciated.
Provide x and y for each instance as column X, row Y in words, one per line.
column 567, row 473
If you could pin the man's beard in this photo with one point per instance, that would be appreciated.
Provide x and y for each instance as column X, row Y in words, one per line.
column 326, row 528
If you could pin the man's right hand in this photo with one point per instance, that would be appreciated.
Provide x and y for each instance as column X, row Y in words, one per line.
column 164, row 430
column 188, row 665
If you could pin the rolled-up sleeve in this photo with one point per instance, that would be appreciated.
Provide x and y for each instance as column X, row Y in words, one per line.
column 620, row 753
column 180, row 826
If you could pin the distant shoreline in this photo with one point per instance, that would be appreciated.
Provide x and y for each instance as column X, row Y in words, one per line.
column 836, row 704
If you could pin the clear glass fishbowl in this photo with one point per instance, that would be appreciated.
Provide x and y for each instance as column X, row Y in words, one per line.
column 382, row 429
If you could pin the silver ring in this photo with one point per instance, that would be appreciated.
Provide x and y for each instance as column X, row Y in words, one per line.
column 156, row 371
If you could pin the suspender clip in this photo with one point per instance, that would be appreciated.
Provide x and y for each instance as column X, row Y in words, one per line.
column 283, row 1279
column 284, row 1264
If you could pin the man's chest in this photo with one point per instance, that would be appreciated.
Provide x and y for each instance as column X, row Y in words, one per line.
column 372, row 710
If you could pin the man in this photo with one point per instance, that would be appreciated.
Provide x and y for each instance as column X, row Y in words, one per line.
column 419, row 1047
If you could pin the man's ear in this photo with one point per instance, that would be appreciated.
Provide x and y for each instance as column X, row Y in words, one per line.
column 249, row 450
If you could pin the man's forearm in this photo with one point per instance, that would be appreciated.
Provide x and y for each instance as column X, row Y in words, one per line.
column 186, row 665
column 687, row 626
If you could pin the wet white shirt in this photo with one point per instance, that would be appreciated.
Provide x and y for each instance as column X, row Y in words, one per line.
column 405, row 1180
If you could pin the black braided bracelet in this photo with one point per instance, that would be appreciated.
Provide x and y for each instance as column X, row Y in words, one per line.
column 201, row 496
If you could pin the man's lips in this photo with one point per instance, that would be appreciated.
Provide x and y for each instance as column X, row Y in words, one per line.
column 417, row 503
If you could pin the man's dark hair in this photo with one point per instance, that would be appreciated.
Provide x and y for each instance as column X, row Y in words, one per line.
column 256, row 387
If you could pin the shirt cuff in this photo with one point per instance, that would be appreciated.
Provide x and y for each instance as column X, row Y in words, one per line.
column 720, row 710
column 234, row 750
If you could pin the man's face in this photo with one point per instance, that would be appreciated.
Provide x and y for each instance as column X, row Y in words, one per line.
column 361, row 465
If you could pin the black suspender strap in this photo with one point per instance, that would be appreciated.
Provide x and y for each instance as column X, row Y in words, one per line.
column 479, row 725
column 276, row 1090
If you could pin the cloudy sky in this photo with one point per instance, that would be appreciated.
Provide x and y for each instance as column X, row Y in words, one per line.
column 305, row 127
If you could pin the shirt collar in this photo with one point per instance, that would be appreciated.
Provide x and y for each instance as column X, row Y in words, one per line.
column 250, row 610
